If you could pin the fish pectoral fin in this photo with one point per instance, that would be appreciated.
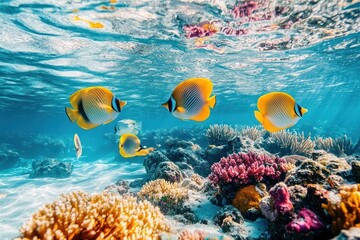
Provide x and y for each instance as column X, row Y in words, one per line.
column 259, row 116
column 144, row 151
column 181, row 109
column 202, row 115
column 72, row 114
column 84, row 124
column 211, row 101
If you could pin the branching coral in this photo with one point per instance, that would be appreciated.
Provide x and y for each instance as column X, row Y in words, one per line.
column 338, row 146
column 286, row 142
column 100, row 216
column 346, row 213
column 252, row 132
column 220, row 134
column 166, row 195
column 247, row 168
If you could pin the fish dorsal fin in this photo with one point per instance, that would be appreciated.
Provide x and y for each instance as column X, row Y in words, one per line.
column 205, row 86
column 202, row 115
column 266, row 101
column 76, row 97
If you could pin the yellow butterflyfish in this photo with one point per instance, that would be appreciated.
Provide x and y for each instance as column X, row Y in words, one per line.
column 278, row 111
column 93, row 106
column 191, row 99
column 129, row 146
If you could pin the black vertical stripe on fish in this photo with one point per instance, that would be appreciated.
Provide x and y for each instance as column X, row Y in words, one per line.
column 297, row 110
column 117, row 102
column 82, row 112
column 170, row 105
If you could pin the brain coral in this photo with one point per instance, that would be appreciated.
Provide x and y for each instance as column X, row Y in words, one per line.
column 79, row 215
column 346, row 213
column 167, row 195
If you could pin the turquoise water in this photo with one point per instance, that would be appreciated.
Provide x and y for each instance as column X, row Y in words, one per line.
column 141, row 53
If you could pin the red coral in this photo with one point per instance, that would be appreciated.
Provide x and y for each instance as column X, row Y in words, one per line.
column 281, row 196
column 305, row 222
column 202, row 29
column 247, row 168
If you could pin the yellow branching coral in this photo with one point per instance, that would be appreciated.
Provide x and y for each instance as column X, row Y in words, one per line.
column 220, row 134
column 252, row 132
column 249, row 197
column 165, row 194
column 346, row 213
column 292, row 143
column 79, row 215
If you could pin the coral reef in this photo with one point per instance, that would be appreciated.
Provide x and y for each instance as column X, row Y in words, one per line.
column 253, row 133
column 100, row 216
column 338, row 146
column 281, row 198
column 346, row 213
column 289, row 143
column 51, row 168
column 220, row 134
column 247, row 197
column 247, row 168
column 8, row 158
column 121, row 187
column 304, row 222
column 200, row 235
column 308, row 172
column 168, row 196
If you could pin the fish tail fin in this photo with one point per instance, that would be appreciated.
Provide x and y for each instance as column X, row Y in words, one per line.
column 144, row 151
column 259, row 116
column 211, row 101
column 138, row 126
column 72, row 114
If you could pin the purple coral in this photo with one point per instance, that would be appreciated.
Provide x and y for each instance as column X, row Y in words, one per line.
column 202, row 29
column 305, row 222
column 245, row 9
column 246, row 168
column 281, row 197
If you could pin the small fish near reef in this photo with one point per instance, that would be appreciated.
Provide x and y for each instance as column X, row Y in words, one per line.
column 130, row 146
column 78, row 146
column 93, row 106
column 127, row 126
column 191, row 100
column 278, row 111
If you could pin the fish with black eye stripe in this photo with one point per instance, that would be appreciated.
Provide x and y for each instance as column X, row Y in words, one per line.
column 93, row 106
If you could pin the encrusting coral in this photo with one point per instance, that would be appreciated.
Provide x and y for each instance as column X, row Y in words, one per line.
column 247, row 168
column 246, row 198
column 200, row 235
column 79, row 215
column 305, row 221
column 346, row 213
column 168, row 196
column 286, row 143
column 220, row 134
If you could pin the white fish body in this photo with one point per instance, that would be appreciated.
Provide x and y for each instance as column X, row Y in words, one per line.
column 78, row 146
column 127, row 126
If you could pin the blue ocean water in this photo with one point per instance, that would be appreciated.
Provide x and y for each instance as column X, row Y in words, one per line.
column 141, row 53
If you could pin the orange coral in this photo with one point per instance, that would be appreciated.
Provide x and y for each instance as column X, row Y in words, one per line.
column 346, row 213
column 246, row 198
column 100, row 216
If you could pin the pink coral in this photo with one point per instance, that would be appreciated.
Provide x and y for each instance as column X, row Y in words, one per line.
column 203, row 29
column 247, row 168
column 305, row 222
column 245, row 9
column 281, row 198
